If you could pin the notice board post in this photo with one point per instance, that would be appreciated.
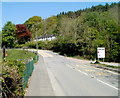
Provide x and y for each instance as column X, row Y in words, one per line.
column 101, row 53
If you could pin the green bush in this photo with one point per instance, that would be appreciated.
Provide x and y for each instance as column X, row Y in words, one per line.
column 30, row 44
column 41, row 45
column 47, row 45
column 12, row 77
column 14, row 72
column 19, row 45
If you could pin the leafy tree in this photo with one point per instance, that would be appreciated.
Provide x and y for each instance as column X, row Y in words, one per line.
column 8, row 35
column 0, row 39
column 80, row 32
column 34, row 23
column 93, row 27
column 23, row 34
column 50, row 25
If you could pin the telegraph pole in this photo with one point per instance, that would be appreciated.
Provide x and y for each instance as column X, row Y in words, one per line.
column 36, row 40
column 36, row 35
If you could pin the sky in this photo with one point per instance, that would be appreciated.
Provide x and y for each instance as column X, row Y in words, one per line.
column 59, row 0
column 19, row 12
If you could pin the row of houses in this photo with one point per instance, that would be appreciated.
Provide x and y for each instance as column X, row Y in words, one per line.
column 45, row 37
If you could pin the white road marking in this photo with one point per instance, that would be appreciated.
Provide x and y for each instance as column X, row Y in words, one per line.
column 80, row 71
column 108, row 71
column 77, row 65
column 107, row 84
column 44, row 54
column 94, row 77
column 77, row 70
column 112, row 72
column 83, row 72
column 99, row 80
column 69, row 66
column 99, row 69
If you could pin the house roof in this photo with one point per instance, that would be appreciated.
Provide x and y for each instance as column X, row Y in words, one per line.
column 46, row 36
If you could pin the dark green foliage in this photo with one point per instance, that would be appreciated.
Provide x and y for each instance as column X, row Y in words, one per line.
column 81, row 32
column 0, row 38
column 41, row 45
column 8, row 35
column 16, row 71
column 12, row 73
column 34, row 25
column 47, row 45
column 30, row 45
column 50, row 25
column 98, row 8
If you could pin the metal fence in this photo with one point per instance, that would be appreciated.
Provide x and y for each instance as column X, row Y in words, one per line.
column 28, row 71
column 35, row 59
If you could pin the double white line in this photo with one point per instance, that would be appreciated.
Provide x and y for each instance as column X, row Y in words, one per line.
column 107, row 84
column 97, row 79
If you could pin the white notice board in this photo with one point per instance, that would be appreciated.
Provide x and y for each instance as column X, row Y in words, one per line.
column 101, row 52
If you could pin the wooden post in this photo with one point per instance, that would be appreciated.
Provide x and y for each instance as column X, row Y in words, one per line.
column 3, row 53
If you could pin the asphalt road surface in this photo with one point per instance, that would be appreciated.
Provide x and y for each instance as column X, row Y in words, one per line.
column 73, row 77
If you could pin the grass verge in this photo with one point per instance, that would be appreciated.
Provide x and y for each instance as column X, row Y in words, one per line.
column 110, row 66
column 14, row 54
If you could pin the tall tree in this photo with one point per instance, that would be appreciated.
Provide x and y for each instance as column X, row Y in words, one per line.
column 94, row 27
column 8, row 35
column 0, row 39
column 50, row 25
column 23, row 34
column 33, row 23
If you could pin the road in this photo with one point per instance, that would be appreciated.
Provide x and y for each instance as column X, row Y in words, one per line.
column 72, row 77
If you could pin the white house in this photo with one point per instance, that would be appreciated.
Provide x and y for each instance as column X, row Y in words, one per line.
column 46, row 37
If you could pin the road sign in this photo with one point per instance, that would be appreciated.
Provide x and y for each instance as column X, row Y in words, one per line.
column 101, row 52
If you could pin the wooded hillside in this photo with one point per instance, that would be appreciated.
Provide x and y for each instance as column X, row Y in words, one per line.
column 80, row 32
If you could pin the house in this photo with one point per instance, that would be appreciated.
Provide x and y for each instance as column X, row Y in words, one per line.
column 45, row 37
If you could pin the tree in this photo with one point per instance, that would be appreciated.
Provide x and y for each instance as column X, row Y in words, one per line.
column 95, row 27
column 22, row 33
column 50, row 25
column 34, row 22
column 8, row 35
column 0, row 39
